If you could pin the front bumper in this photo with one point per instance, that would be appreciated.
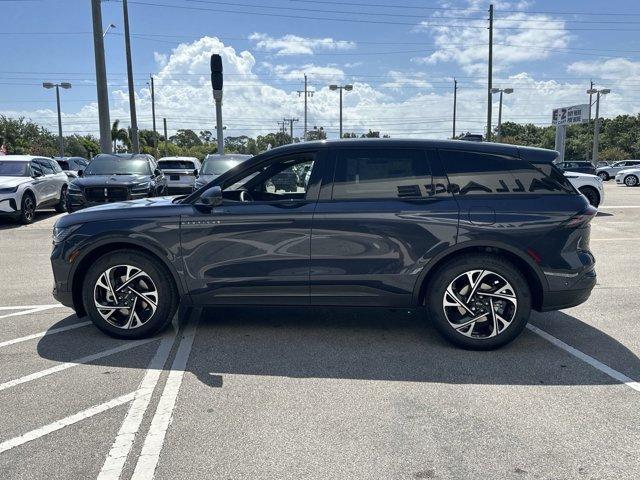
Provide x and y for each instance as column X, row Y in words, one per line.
column 77, row 201
column 8, row 204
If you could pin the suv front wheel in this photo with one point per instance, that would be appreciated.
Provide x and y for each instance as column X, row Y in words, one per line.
column 129, row 294
column 479, row 302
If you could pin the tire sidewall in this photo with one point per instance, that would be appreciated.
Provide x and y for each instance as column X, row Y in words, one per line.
column 604, row 176
column 586, row 191
column 445, row 275
column 167, row 294
column 61, row 207
column 631, row 185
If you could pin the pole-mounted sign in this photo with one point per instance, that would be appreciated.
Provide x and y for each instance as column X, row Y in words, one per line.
column 561, row 117
column 216, row 84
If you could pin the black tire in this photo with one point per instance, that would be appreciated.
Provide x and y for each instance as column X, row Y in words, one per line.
column 61, row 206
column 167, row 302
column 27, row 209
column 453, row 269
column 631, row 181
column 592, row 195
column 604, row 176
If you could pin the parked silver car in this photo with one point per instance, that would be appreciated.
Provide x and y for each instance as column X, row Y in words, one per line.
column 28, row 183
column 72, row 164
column 215, row 165
column 181, row 173
column 608, row 172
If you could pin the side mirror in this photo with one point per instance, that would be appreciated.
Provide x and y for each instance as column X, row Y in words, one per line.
column 81, row 173
column 157, row 172
column 212, row 197
column 195, row 173
column 37, row 174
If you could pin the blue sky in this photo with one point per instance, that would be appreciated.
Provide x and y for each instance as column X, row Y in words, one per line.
column 401, row 60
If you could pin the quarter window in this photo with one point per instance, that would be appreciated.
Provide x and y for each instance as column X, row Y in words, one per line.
column 475, row 173
column 381, row 173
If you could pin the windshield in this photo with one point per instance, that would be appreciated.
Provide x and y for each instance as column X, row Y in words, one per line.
column 176, row 164
column 118, row 166
column 217, row 166
column 14, row 169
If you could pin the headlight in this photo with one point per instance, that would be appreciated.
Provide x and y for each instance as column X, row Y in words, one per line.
column 141, row 187
column 60, row 234
column 9, row 189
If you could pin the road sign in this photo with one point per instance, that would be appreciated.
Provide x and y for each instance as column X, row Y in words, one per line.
column 570, row 115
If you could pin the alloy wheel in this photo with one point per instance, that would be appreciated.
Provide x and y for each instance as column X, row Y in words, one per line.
column 29, row 208
column 125, row 296
column 480, row 304
column 631, row 181
column 604, row 176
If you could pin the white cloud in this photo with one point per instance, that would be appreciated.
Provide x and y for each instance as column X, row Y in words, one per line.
column 612, row 69
column 254, row 103
column 404, row 79
column 327, row 73
column 295, row 45
column 466, row 44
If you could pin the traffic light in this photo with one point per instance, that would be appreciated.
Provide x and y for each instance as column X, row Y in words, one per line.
column 216, row 71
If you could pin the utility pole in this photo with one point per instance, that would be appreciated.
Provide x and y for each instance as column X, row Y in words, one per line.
column 455, row 104
column 290, row 121
column 306, row 94
column 101, row 78
column 282, row 124
column 490, row 74
column 135, row 142
column 596, row 128
column 153, row 116
column 166, row 137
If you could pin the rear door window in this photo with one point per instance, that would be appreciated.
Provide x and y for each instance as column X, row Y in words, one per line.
column 47, row 169
column 372, row 173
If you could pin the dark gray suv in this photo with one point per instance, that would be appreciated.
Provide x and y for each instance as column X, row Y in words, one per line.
column 474, row 234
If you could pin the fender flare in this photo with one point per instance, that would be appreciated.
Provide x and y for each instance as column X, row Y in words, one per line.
column 435, row 261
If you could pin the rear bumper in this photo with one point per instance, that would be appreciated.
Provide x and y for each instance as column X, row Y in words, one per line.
column 576, row 289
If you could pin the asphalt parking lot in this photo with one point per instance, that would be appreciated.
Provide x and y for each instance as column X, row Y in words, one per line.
column 290, row 393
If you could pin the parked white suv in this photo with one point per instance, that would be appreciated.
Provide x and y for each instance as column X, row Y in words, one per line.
column 28, row 183
column 589, row 185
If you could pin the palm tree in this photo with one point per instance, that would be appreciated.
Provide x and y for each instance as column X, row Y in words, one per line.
column 119, row 134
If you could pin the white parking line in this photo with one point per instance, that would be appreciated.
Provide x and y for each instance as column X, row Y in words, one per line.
column 607, row 370
column 44, row 334
column 114, row 463
column 614, row 239
column 150, row 455
column 26, row 310
column 65, row 422
column 73, row 363
column 613, row 207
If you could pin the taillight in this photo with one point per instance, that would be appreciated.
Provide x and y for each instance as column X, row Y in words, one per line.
column 582, row 219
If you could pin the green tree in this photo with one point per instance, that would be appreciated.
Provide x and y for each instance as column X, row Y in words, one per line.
column 119, row 135
column 317, row 134
column 186, row 138
column 21, row 135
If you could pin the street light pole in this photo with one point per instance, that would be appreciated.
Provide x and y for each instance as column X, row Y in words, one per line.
column 348, row 88
column 306, row 94
column 135, row 143
column 153, row 116
column 500, row 91
column 455, row 105
column 66, row 86
column 101, row 78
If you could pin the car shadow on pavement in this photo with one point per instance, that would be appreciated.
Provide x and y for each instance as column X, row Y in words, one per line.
column 8, row 223
column 366, row 344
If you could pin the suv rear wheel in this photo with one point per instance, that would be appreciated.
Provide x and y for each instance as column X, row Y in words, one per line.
column 604, row 176
column 631, row 181
column 62, row 204
column 129, row 294
column 478, row 302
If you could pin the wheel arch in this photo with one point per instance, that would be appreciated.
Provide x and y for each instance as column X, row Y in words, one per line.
column 591, row 188
column 532, row 273
column 79, row 272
